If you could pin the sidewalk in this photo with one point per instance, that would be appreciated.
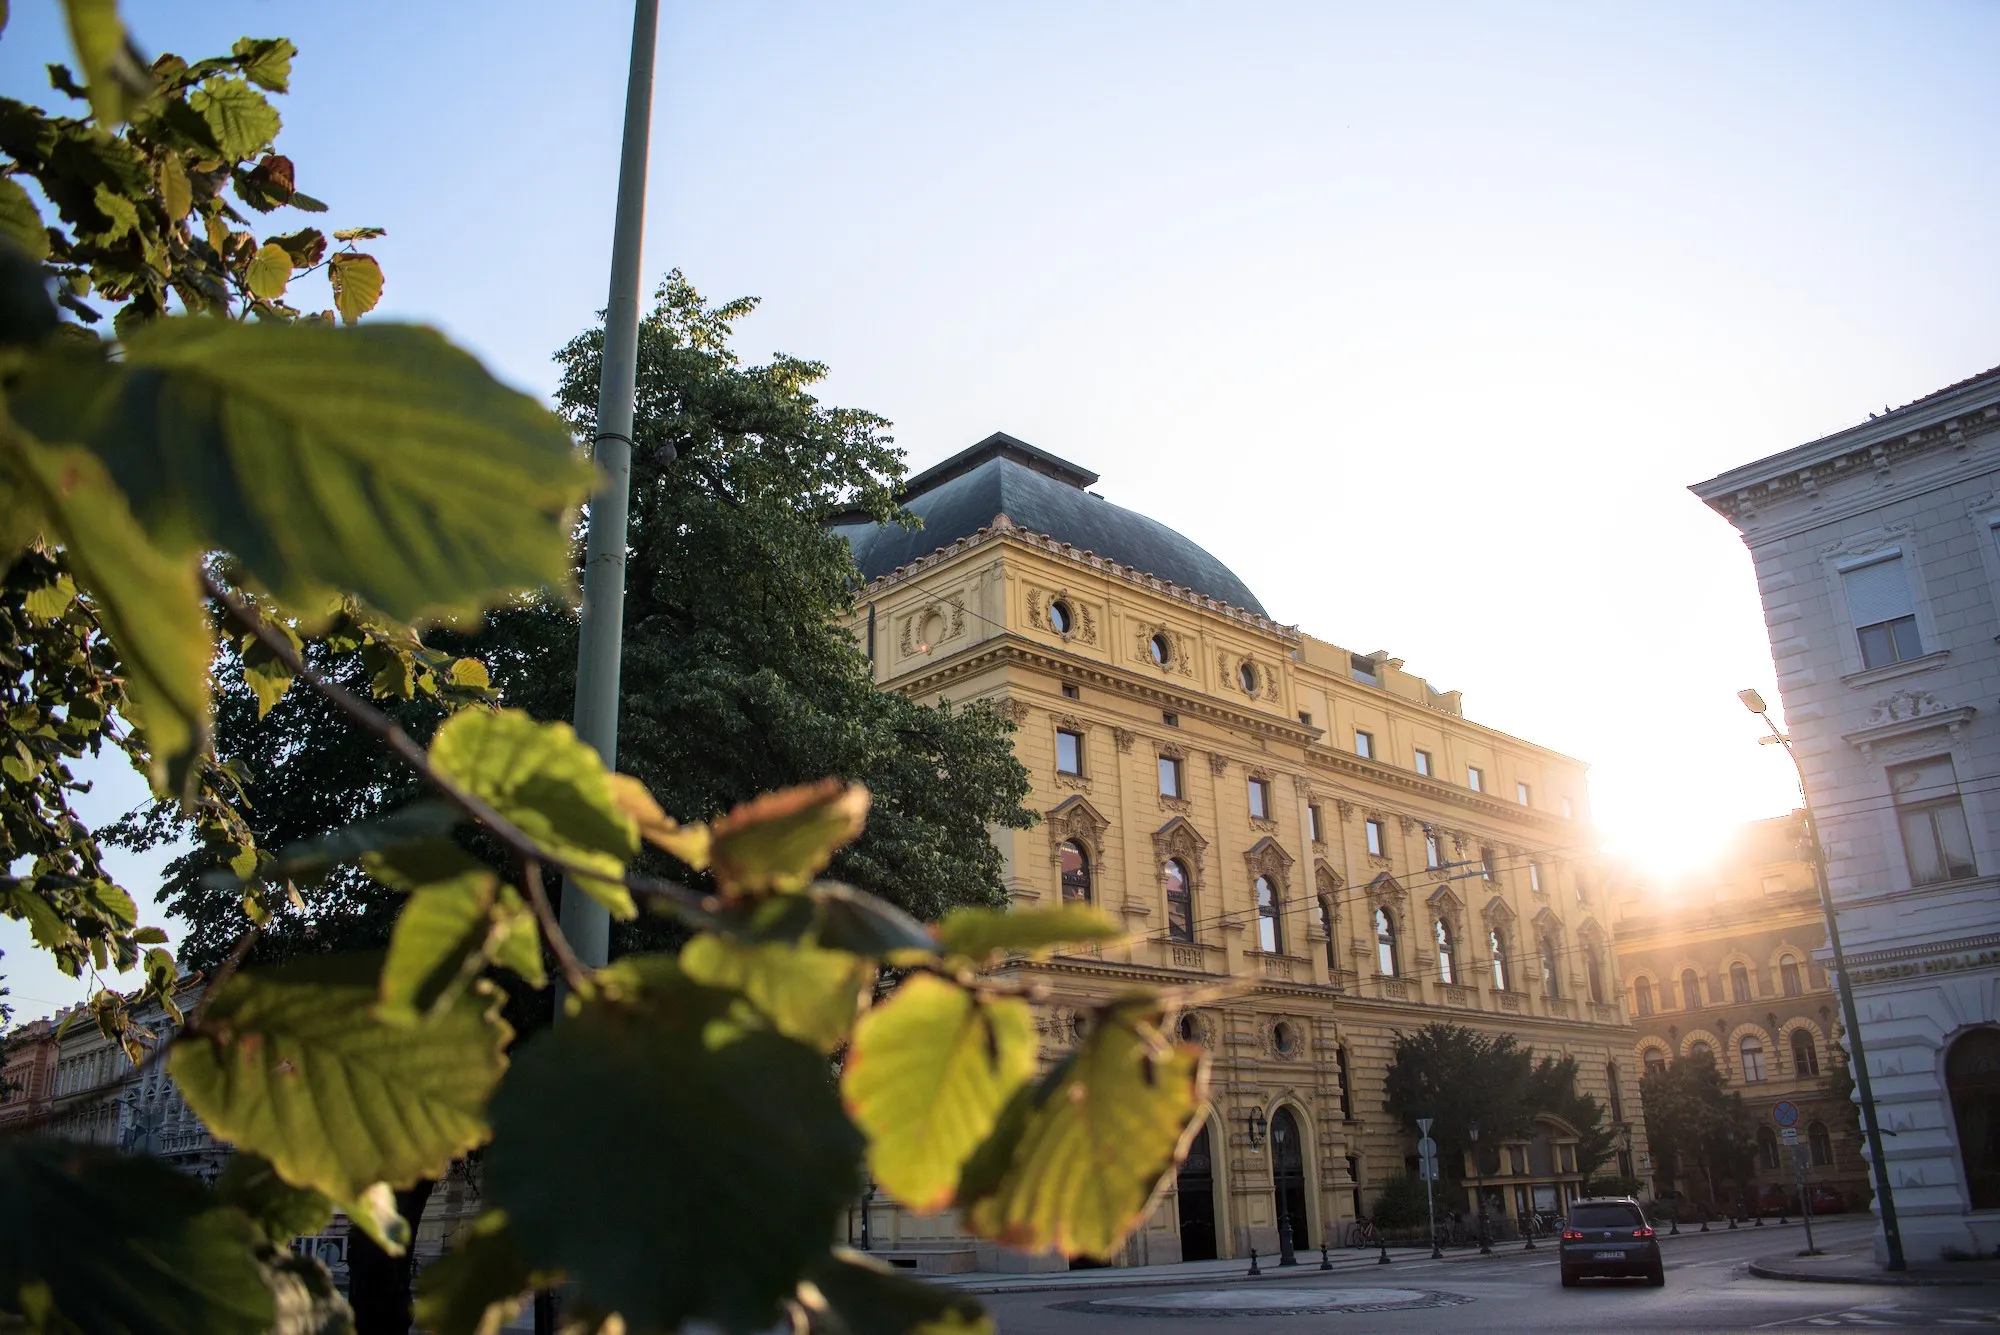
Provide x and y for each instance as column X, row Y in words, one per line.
column 1856, row 1265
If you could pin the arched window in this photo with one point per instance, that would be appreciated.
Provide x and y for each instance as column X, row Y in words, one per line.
column 1767, row 1148
column 1447, row 967
column 1690, row 990
column 1752, row 1050
column 1075, row 873
column 1594, row 973
column 1385, row 944
column 1617, row 1097
column 1805, row 1053
column 1642, row 996
column 1821, row 1145
column 1656, row 1062
column 1788, row 976
column 1701, row 1051
column 1499, row 946
column 1739, row 983
column 1972, row 1077
column 1549, row 980
column 1269, row 938
column 1180, row 901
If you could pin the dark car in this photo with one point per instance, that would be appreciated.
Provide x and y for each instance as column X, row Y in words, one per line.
column 1825, row 1200
column 1609, row 1236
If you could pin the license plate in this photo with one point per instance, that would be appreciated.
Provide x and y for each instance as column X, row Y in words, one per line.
column 1607, row 1256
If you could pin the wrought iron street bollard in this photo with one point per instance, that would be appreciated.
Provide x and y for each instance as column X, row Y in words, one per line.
column 1732, row 1221
column 1286, row 1256
column 1382, row 1240
column 1253, row 1262
column 1676, row 1222
column 1437, row 1246
column 1325, row 1262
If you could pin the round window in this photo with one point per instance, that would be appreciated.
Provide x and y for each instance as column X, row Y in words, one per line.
column 1189, row 1028
column 1079, row 1026
column 930, row 633
column 1060, row 618
column 1247, row 675
column 1162, row 648
column 1285, row 1039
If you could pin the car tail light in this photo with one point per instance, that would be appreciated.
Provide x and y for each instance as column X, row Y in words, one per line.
column 1572, row 1235
column 1642, row 1232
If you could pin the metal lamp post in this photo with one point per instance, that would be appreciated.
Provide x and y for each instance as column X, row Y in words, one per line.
column 1479, row 1190
column 1871, row 1123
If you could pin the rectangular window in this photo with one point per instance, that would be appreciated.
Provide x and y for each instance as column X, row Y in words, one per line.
column 1433, row 851
column 1423, row 762
column 1172, row 720
column 1885, row 621
column 1569, row 809
column 1312, row 825
column 1774, row 885
column 1364, row 744
column 1170, row 776
column 1305, row 717
column 1376, row 839
column 1362, row 670
column 1935, row 838
column 1069, row 752
column 1523, row 794
column 1260, row 799
column 1535, row 877
column 1071, row 692
column 1474, row 779
column 1489, row 864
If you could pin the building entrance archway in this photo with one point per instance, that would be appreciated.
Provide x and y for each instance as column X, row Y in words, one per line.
column 1288, row 1176
column 1195, row 1190
column 1972, row 1074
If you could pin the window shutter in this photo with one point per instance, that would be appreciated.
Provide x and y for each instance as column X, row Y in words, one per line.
column 1877, row 592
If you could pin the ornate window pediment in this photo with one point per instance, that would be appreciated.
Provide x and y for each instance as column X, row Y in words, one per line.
column 1445, row 903
column 1385, row 890
column 1326, row 880
column 1267, row 858
column 1499, row 912
column 1548, row 921
column 1179, row 839
column 1074, row 818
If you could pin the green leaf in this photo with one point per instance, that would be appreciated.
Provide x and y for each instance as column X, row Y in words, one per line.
column 21, row 221
column 267, row 61
column 51, row 600
column 117, row 76
column 280, row 1209
column 1079, row 1156
column 852, row 1293
column 828, row 914
column 759, row 1151
column 459, row 916
column 548, row 782
column 781, row 840
column 360, row 233
column 270, row 270
column 477, row 1288
column 124, row 215
column 242, row 120
column 267, row 675
column 176, row 192
column 380, row 461
column 288, row 1062
column 94, row 1241
column 307, row 246
column 980, row 934
column 926, row 1078
column 374, row 1213
column 808, row 994
column 357, row 285
column 147, row 602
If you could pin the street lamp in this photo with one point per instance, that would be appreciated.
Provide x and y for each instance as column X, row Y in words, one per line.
column 1479, row 1190
column 1891, row 1233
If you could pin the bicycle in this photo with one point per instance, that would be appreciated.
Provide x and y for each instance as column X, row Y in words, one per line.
column 1362, row 1233
column 1451, row 1233
column 1535, row 1224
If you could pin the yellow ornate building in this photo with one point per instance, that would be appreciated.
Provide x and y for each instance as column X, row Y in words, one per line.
column 1726, row 960
column 1255, row 805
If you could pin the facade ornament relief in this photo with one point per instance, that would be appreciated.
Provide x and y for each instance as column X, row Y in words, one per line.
column 1218, row 763
column 1178, row 658
column 1179, row 839
column 1084, row 629
column 950, row 611
column 1074, row 818
column 1346, row 810
column 1124, row 738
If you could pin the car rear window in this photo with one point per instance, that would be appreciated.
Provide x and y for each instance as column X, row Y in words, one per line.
column 1605, row 1216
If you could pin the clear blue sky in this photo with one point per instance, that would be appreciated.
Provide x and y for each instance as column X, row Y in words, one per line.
column 1421, row 317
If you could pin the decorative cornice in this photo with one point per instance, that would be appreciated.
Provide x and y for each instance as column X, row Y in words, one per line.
column 1352, row 766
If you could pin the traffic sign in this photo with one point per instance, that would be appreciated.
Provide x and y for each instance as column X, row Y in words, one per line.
column 1786, row 1113
column 1789, row 1135
column 1424, row 1126
column 1427, row 1148
column 1427, row 1170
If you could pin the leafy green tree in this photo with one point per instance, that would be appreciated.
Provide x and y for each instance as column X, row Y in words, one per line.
column 286, row 481
column 1694, row 1124
column 1461, row 1078
column 1552, row 1089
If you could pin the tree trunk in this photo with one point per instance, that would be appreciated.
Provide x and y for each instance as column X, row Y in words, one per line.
column 379, row 1284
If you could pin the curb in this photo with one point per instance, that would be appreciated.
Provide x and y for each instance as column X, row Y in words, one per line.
column 1271, row 1272
column 1767, row 1270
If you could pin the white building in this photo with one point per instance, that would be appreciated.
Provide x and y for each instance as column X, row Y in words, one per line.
column 1877, row 552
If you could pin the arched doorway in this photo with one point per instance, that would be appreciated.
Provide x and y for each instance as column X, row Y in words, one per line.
column 1195, row 1187
column 1288, row 1175
column 1972, row 1075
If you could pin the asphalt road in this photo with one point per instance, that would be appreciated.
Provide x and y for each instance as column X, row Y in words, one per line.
column 1707, row 1289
